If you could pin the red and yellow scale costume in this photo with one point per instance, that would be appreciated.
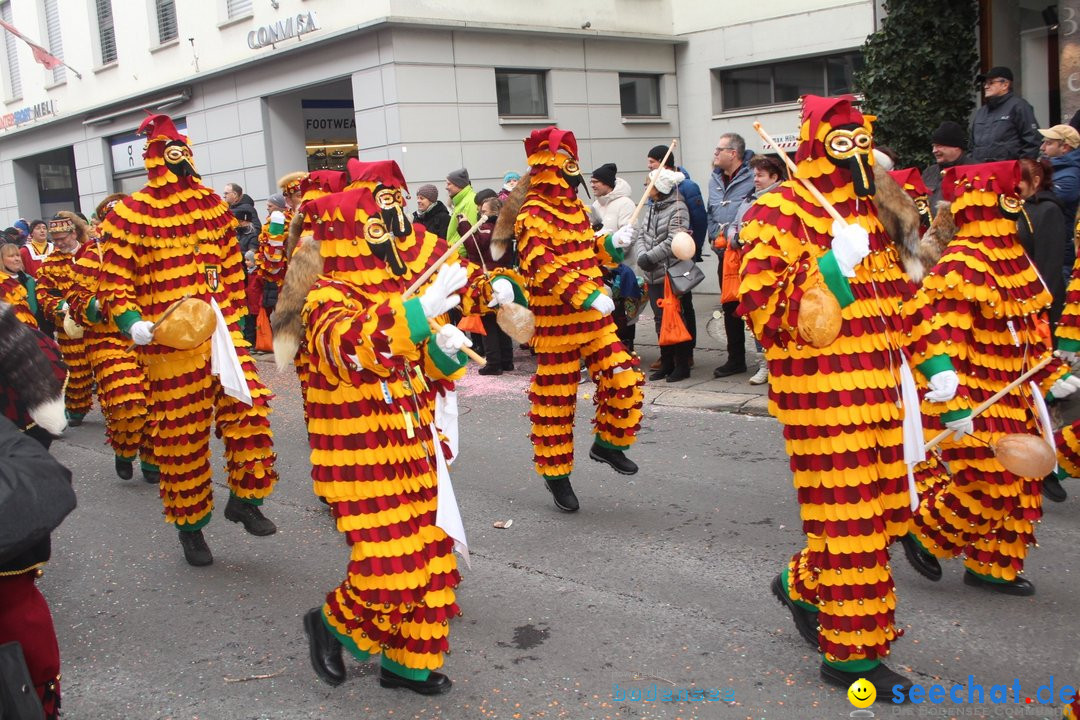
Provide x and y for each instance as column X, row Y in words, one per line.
column 271, row 258
column 372, row 376
column 56, row 281
column 1067, row 332
column 561, row 261
column 175, row 237
column 838, row 404
column 15, row 294
column 992, row 305
column 121, row 383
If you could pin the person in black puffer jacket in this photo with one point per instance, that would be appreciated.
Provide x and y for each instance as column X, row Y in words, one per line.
column 432, row 214
column 1043, row 231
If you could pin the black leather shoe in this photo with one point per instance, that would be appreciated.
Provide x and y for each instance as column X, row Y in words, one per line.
column 254, row 521
column 507, row 367
column 679, row 373
column 660, row 374
column 1052, row 489
column 805, row 620
column 490, row 369
column 125, row 470
column 924, row 563
column 436, row 684
column 563, row 493
column 196, row 551
column 729, row 369
column 1020, row 586
column 615, row 458
column 151, row 475
column 324, row 648
column 74, row 420
column 882, row 678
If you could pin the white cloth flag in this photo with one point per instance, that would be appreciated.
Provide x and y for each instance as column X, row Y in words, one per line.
column 446, row 419
column 914, row 441
column 224, row 362
column 447, row 513
column 1044, row 417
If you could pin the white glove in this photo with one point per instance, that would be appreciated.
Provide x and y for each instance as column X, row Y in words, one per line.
column 440, row 297
column 942, row 386
column 850, row 245
column 961, row 427
column 1067, row 355
column 603, row 305
column 450, row 340
column 502, row 292
column 623, row 237
column 1065, row 387
column 142, row 332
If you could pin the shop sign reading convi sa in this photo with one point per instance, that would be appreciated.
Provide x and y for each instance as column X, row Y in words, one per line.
column 291, row 27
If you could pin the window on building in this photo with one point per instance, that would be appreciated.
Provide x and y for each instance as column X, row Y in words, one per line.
column 784, row 82
column 639, row 95
column 106, row 35
column 56, row 42
column 521, row 93
column 166, row 20
column 13, row 79
column 237, row 8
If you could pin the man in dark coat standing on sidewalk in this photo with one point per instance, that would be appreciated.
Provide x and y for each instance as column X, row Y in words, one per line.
column 1004, row 128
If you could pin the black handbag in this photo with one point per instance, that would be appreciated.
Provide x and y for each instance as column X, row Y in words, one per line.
column 18, row 697
column 685, row 276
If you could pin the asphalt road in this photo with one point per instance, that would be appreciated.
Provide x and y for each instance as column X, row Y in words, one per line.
column 661, row 579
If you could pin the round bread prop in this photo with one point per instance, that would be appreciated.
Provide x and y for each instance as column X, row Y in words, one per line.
column 1025, row 455
column 682, row 245
column 188, row 326
column 517, row 321
column 819, row 317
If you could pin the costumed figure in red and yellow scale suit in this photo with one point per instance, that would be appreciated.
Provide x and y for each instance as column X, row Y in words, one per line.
column 56, row 280
column 271, row 257
column 840, row 403
column 176, row 238
column 1067, row 439
column 910, row 180
column 992, row 305
column 374, row 371
column 562, row 261
column 120, row 380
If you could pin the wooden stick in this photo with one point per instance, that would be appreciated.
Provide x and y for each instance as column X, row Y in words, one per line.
column 995, row 397
column 652, row 181
column 445, row 256
column 469, row 352
column 167, row 313
column 828, row 206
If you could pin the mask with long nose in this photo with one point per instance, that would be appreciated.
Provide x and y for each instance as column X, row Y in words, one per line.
column 849, row 147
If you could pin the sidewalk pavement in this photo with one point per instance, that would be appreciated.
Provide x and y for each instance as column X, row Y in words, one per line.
column 731, row 394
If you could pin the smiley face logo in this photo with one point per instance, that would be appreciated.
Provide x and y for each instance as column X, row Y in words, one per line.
column 862, row 693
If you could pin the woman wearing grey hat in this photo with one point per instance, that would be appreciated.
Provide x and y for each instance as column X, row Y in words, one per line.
column 431, row 213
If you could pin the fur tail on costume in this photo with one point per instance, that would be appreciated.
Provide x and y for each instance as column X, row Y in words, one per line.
column 939, row 236
column 305, row 267
column 503, row 234
column 900, row 217
column 26, row 369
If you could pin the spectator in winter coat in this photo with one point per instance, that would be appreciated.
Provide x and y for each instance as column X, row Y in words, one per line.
column 1043, row 231
column 690, row 193
column 246, row 232
column 732, row 180
column 463, row 198
column 510, row 181
column 1060, row 144
column 610, row 211
column 1004, row 128
column 949, row 147
column 235, row 196
column 431, row 213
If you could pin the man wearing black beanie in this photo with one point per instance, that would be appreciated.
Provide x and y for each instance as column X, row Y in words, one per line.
column 949, row 145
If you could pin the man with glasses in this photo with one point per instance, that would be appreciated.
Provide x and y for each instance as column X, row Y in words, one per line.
column 1004, row 128
column 731, row 181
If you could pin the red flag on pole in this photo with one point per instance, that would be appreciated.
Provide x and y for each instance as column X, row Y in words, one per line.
column 41, row 55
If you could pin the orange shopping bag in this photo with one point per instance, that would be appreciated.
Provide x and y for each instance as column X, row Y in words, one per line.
column 672, row 328
column 729, row 288
column 264, row 336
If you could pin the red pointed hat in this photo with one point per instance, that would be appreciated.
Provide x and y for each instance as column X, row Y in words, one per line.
column 327, row 181
column 911, row 180
column 1002, row 178
column 160, row 126
column 384, row 172
column 833, row 111
column 551, row 138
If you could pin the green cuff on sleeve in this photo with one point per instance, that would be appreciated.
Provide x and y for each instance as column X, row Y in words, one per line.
column 126, row 319
column 519, row 294
column 419, row 329
column 31, row 296
column 836, row 281
column 589, row 300
column 93, row 312
column 948, row 417
column 936, row 364
column 447, row 365
column 1068, row 345
column 617, row 254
